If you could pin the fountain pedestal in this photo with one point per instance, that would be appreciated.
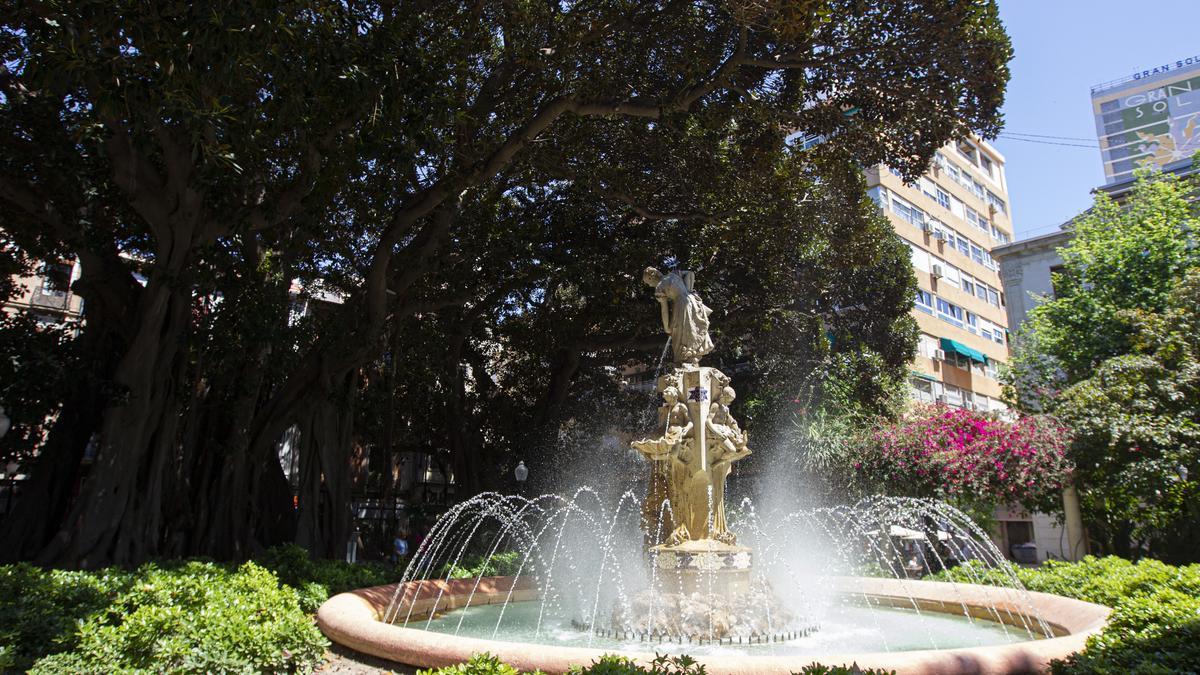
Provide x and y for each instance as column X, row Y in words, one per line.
column 703, row 566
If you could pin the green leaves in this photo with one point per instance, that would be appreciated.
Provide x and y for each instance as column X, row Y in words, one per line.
column 193, row 617
column 1116, row 355
column 1155, row 628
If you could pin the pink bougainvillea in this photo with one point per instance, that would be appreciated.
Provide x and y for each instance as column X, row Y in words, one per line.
column 953, row 453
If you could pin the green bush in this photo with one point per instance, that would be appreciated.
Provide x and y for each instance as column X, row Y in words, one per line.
column 317, row 580
column 479, row 664
column 1155, row 626
column 500, row 565
column 40, row 609
column 192, row 617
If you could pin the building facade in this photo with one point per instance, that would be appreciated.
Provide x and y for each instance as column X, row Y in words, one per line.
column 1026, row 268
column 1150, row 118
column 955, row 219
column 951, row 218
column 46, row 294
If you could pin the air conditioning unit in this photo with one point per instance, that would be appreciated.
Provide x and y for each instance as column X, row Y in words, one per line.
column 927, row 227
column 937, row 272
column 939, row 235
column 939, row 354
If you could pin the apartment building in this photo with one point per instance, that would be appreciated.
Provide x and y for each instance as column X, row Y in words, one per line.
column 46, row 294
column 951, row 218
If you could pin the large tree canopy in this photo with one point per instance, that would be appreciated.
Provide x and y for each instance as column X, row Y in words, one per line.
column 476, row 180
column 1113, row 354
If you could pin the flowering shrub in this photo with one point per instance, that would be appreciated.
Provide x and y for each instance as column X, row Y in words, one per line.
column 958, row 455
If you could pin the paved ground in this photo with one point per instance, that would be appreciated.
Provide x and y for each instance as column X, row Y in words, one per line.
column 343, row 661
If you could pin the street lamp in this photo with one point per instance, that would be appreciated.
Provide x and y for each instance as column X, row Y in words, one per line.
column 521, row 473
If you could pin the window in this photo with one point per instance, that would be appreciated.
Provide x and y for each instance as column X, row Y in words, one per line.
column 924, row 301
column 56, row 279
column 968, row 284
column 952, row 394
column 879, row 196
column 994, row 200
column 907, row 212
column 928, row 188
column 964, row 246
column 976, row 254
column 920, row 259
column 1017, row 532
column 927, row 345
column 967, row 150
column 958, row 361
column 977, row 220
column 985, row 163
column 993, row 297
column 999, row 235
column 922, row 389
column 952, row 314
column 972, row 322
column 943, row 197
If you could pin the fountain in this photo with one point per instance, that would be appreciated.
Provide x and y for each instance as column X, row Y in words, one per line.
column 674, row 571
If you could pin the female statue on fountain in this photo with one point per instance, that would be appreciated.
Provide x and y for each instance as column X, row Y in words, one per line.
column 684, row 314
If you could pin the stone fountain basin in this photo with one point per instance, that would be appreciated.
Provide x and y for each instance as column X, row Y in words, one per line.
column 354, row 620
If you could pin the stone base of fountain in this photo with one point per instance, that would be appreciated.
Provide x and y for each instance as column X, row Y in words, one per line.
column 751, row 615
column 705, row 566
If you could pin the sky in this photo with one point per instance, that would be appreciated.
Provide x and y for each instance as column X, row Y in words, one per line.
column 1061, row 48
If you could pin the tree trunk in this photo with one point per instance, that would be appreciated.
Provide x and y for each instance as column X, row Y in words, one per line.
column 117, row 517
column 54, row 479
column 323, row 521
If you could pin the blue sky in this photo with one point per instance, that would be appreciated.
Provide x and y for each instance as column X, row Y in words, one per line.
column 1062, row 48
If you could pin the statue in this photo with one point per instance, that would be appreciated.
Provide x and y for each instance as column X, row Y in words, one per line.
column 692, row 458
column 674, row 458
column 686, row 318
column 727, row 444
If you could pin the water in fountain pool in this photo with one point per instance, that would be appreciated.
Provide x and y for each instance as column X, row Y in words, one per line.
column 586, row 560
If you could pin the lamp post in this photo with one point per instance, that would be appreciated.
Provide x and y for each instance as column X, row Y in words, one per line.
column 521, row 473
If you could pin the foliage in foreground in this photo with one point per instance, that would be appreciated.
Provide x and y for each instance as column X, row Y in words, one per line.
column 487, row 664
column 192, row 617
column 1155, row 625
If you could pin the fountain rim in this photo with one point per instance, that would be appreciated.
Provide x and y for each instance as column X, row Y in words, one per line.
column 352, row 619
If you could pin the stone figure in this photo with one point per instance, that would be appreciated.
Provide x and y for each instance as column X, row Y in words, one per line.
column 726, row 444
column 676, row 474
column 684, row 314
column 678, row 426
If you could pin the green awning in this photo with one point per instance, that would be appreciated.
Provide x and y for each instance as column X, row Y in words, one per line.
column 957, row 347
column 923, row 376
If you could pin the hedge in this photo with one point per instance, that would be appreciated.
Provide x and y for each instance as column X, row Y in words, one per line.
column 182, row 616
column 1155, row 625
